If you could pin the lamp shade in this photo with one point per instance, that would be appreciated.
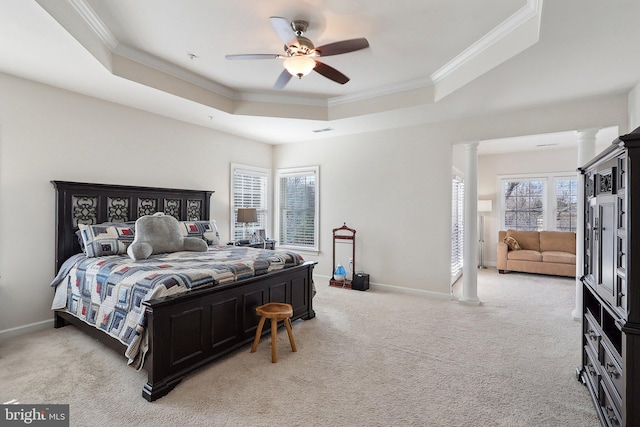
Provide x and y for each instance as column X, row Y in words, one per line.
column 299, row 65
column 247, row 215
column 485, row 206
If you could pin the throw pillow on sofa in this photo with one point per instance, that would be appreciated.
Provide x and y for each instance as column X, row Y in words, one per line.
column 512, row 243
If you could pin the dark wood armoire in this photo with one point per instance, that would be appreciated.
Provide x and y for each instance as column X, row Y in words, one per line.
column 610, row 366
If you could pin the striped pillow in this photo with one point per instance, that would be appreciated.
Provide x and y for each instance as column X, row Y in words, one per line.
column 206, row 230
column 102, row 239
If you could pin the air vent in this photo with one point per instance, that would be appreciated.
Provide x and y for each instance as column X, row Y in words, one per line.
column 323, row 130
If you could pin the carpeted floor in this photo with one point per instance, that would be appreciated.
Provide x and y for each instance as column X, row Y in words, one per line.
column 368, row 359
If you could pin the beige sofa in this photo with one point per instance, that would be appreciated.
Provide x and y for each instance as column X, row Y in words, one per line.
column 543, row 252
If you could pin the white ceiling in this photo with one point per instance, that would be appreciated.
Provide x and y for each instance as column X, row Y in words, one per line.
column 428, row 61
column 211, row 29
column 547, row 141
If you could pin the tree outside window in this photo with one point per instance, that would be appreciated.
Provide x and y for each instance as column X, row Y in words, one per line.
column 566, row 204
column 524, row 204
column 540, row 202
column 298, row 208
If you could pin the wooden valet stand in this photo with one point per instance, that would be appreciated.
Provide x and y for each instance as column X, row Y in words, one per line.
column 337, row 236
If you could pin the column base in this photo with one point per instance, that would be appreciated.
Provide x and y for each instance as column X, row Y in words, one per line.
column 469, row 301
column 576, row 315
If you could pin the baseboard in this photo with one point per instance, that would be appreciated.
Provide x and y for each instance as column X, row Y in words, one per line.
column 26, row 329
column 397, row 289
column 490, row 263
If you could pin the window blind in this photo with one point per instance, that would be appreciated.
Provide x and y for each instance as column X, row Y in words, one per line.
column 298, row 208
column 250, row 189
column 457, row 228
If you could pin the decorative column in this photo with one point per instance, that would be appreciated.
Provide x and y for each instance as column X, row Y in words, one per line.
column 586, row 152
column 470, row 253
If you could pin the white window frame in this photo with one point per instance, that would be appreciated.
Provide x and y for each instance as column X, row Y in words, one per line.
column 525, row 178
column 557, row 178
column 457, row 226
column 549, row 208
column 253, row 171
column 299, row 171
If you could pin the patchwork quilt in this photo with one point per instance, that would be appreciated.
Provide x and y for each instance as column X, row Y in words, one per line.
column 107, row 292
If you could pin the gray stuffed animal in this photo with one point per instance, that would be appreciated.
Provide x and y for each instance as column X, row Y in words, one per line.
column 160, row 233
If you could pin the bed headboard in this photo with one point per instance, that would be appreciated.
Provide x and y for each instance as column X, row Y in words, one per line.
column 84, row 203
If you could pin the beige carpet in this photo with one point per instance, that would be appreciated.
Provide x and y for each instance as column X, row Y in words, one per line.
column 367, row 359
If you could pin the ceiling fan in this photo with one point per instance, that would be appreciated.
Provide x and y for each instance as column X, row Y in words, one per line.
column 300, row 53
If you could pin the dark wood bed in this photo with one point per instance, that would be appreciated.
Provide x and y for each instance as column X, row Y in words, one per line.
column 187, row 330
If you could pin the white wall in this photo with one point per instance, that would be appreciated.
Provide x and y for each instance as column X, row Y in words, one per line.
column 51, row 134
column 634, row 108
column 367, row 180
column 394, row 188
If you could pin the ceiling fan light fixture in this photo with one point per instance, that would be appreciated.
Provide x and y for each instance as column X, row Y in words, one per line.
column 299, row 52
column 299, row 65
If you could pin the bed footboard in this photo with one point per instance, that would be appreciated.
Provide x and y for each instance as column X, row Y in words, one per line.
column 189, row 330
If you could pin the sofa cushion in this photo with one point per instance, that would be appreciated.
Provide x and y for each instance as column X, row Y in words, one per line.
column 524, row 255
column 526, row 239
column 562, row 241
column 559, row 257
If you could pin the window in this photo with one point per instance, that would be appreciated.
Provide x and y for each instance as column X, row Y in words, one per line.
column 457, row 228
column 249, row 189
column 298, row 207
column 566, row 204
column 524, row 204
column 531, row 203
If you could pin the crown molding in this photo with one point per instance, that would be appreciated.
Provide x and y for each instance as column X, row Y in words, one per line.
column 532, row 9
column 89, row 15
column 381, row 91
column 173, row 70
column 280, row 99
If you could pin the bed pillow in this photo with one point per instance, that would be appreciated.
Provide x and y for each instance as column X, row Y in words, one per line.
column 160, row 233
column 512, row 243
column 205, row 230
column 128, row 224
column 105, row 239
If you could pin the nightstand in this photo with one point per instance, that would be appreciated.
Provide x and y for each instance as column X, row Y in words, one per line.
column 267, row 244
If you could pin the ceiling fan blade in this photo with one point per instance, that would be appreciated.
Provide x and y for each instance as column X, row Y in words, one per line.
column 253, row 56
column 330, row 73
column 283, row 79
column 284, row 30
column 344, row 46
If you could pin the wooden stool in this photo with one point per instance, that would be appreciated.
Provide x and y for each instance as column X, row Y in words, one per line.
column 274, row 311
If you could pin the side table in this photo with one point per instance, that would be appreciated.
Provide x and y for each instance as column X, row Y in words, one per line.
column 267, row 244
